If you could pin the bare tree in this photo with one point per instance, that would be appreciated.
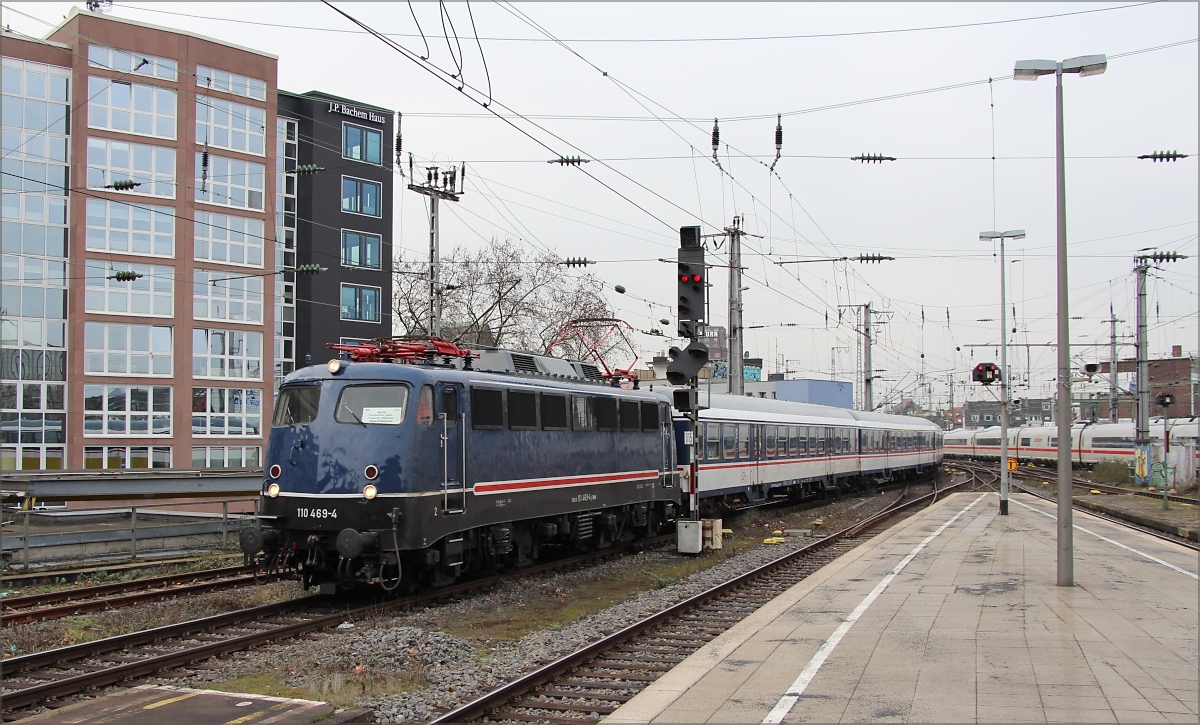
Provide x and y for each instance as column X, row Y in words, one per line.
column 504, row 294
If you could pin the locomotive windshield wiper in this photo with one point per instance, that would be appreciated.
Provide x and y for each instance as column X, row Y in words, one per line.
column 352, row 415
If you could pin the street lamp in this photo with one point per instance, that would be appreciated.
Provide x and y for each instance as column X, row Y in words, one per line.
column 1004, row 488
column 1031, row 70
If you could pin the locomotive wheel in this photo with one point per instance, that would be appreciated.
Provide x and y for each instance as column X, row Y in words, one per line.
column 524, row 548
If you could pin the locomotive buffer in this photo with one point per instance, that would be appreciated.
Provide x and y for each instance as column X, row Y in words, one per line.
column 685, row 364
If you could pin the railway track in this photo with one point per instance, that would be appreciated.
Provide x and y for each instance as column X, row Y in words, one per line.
column 1080, row 482
column 594, row 681
column 34, row 679
column 103, row 597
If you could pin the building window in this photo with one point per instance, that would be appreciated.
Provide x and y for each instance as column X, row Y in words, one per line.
column 239, row 85
column 151, row 166
column 361, row 144
column 228, row 125
column 118, row 349
column 140, row 63
column 151, row 294
column 226, row 412
column 228, row 239
column 360, row 303
column 1045, row 406
column 116, row 457
column 131, row 107
column 226, row 456
column 361, row 197
column 113, row 226
column 230, row 182
column 360, row 249
column 226, row 354
column 126, row 410
column 286, row 134
column 227, row 297
column 974, row 418
column 33, row 287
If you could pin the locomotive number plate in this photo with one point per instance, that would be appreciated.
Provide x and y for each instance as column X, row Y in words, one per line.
column 304, row 513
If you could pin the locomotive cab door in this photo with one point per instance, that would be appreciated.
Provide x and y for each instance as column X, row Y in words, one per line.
column 666, row 467
column 453, row 424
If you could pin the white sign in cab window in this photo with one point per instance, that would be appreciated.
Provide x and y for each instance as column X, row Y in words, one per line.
column 383, row 416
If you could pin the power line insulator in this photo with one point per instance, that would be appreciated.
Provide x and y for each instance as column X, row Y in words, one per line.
column 569, row 161
column 307, row 269
column 309, row 169
column 1164, row 156
column 868, row 258
column 872, row 158
column 716, row 137
column 576, row 262
column 123, row 185
column 125, row 275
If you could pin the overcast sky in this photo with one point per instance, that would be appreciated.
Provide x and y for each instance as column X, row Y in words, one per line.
column 850, row 78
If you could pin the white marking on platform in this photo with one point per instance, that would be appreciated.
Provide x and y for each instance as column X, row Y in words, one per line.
column 1155, row 559
column 792, row 696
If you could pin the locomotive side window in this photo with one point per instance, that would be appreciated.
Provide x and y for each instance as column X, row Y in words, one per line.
column 581, row 414
column 606, row 413
column 649, row 416
column 450, row 406
column 371, row 404
column 631, row 418
column 487, row 408
column 554, row 412
column 297, row 405
column 424, row 406
column 522, row 410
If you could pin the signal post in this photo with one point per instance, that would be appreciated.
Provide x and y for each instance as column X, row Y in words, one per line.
column 685, row 365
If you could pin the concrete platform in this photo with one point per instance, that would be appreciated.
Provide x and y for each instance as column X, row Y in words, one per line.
column 955, row 616
column 158, row 704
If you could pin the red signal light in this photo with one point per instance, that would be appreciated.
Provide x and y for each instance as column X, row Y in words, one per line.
column 683, row 278
column 697, row 278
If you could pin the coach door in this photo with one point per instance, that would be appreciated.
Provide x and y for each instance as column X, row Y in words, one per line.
column 666, row 465
column 453, row 425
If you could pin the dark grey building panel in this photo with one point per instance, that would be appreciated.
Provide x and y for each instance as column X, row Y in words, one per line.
column 343, row 220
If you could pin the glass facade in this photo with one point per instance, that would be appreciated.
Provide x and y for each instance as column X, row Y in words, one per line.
column 150, row 295
column 360, row 249
column 226, row 412
column 152, row 167
column 116, row 457
column 220, row 80
column 228, row 125
column 360, row 303
column 100, row 56
column 226, row 456
column 126, row 410
column 114, row 226
column 227, row 297
column 33, row 277
column 360, row 196
column 228, row 239
column 285, row 247
column 131, row 107
column 361, row 144
column 230, row 182
column 116, row 348
column 235, row 354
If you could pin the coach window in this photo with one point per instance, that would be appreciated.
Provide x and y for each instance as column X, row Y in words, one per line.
column 712, row 447
column 793, row 442
column 487, row 408
column 631, row 418
column 372, row 404
column 605, row 410
column 650, row 417
column 581, row 414
column 729, row 441
column 424, row 406
column 743, row 440
column 770, row 441
column 522, row 410
column 554, row 412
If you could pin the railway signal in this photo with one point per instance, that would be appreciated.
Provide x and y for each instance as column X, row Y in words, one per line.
column 986, row 373
column 686, row 363
column 692, row 283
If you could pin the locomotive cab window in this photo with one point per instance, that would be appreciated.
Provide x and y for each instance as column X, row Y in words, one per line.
column 554, row 412
column 605, row 410
column 487, row 408
column 450, row 406
column 371, row 404
column 424, row 406
column 297, row 405
column 522, row 410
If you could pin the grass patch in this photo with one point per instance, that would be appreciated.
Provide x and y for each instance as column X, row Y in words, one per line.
column 342, row 689
column 1115, row 473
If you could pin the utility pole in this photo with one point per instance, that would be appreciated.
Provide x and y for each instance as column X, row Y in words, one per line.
column 1112, row 365
column 439, row 184
column 1142, row 264
column 868, row 373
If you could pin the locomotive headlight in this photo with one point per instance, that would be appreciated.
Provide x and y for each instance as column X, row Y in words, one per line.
column 369, row 492
column 335, row 366
column 273, row 490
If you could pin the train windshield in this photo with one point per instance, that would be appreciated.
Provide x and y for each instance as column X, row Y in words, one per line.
column 372, row 404
column 297, row 406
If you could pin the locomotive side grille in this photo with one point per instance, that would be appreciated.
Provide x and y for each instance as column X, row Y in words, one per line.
column 591, row 372
column 524, row 364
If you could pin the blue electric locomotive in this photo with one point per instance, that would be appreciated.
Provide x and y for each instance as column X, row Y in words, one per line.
column 410, row 473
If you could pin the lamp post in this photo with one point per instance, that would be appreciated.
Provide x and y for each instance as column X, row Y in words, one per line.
column 1031, row 70
column 1004, row 489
